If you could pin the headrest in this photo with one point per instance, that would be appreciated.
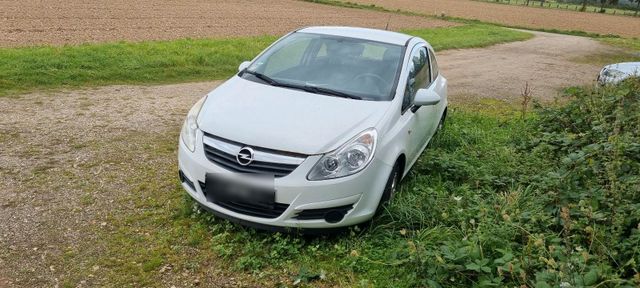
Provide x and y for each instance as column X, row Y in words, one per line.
column 346, row 49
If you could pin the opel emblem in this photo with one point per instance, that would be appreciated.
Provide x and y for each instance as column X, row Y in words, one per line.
column 245, row 156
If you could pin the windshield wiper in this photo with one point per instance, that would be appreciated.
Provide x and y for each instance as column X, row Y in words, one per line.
column 308, row 88
column 264, row 78
column 327, row 91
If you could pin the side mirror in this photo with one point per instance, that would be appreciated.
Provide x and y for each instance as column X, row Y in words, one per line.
column 425, row 97
column 244, row 65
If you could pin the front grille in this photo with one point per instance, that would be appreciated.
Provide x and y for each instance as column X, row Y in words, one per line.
column 313, row 214
column 254, row 210
column 250, row 209
column 223, row 152
column 229, row 162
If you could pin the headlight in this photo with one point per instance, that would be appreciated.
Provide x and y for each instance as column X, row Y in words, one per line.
column 190, row 126
column 349, row 159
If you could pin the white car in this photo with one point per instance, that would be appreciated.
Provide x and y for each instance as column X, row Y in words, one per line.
column 316, row 131
column 616, row 73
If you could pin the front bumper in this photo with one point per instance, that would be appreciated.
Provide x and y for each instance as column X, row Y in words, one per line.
column 362, row 190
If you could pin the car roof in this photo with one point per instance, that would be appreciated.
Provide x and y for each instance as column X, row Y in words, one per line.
column 360, row 33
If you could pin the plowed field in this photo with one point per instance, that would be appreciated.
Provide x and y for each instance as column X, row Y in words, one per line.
column 35, row 22
column 531, row 17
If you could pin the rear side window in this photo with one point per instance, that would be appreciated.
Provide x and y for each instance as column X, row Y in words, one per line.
column 419, row 75
column 434, row 65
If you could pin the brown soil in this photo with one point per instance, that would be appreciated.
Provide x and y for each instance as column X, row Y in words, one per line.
column 521, row 16
column 69, row 158
column 34, row 22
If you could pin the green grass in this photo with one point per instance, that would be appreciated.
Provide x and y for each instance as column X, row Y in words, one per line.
column 627, row 43
column 468, row 36
column 605, row 58
column 629, row 52
column 24, row 69
column 36, row 68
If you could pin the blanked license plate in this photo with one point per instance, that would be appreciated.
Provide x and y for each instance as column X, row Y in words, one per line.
column 248, row 189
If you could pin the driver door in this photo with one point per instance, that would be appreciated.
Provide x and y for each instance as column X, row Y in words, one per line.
column 420, row 120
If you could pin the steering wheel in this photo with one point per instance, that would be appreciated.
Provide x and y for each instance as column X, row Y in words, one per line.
column 378, row 81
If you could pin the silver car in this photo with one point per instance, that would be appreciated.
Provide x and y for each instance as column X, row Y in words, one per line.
column 615, row 73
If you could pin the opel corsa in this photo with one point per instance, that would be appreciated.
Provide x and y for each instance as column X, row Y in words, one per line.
column 316, row 131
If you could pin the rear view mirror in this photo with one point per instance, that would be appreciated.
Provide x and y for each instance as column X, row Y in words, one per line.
column 425, row 97
column 244, row 65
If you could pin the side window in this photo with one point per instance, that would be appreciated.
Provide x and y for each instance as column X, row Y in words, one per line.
column 434, row 65
column 419, row 75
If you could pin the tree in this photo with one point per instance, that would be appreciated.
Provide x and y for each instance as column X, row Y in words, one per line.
column 637, row 7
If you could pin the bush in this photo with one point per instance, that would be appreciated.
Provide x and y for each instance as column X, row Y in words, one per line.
column 594, row 188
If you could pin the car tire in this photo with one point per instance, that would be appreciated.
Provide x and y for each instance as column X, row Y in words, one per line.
column 391, row 187
column 442, row 121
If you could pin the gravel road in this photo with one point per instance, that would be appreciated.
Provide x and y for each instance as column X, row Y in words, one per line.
column 67, row 156
column 501, row 71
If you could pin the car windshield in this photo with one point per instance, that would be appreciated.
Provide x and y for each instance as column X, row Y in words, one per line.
column 331, row 65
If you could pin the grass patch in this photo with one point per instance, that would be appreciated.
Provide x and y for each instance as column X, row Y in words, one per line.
column 24, row 69
column 468, row 36
column 27, row 69
column 607, row 58
column 627, row 43
column 629, row 52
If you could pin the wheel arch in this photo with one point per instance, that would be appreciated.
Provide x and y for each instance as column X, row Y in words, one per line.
column 402, row 160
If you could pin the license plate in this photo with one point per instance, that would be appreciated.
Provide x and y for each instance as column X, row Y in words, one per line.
column 240, row 188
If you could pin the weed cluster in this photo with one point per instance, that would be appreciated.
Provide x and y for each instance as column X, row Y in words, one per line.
column 593, row 192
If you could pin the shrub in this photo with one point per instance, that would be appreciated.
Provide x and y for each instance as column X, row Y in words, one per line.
column 594, row 188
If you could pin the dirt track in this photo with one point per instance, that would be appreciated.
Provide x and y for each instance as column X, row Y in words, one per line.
column 501, row 71
column 32, row 22
column 522, row 16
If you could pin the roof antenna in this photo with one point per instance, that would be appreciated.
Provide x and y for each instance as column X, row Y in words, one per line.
column 388, row 20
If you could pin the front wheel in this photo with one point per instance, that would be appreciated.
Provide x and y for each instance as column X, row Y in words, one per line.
column 442, row 120
column 391, row 188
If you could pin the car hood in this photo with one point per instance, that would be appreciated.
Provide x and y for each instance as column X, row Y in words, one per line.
column 631, row 68
column 261, row 115
column 626, row 70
